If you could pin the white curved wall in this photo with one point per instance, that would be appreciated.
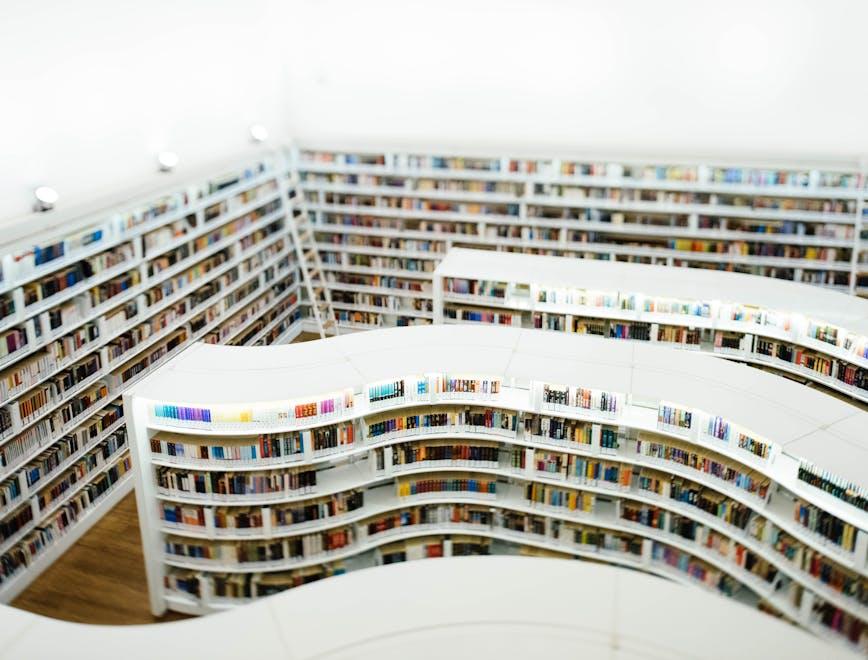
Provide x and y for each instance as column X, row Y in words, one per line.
column 92, row 91
column 469, row 607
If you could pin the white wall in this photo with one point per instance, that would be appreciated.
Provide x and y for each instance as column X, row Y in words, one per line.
column 746, row 78
column 91, row 90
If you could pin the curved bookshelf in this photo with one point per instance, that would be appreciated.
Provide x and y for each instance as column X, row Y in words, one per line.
column 241, row 494
column 807, row 333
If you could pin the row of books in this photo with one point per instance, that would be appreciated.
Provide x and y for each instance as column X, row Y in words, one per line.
column 718, row 202
column 632, row 302
column 552, row 167
column 339, row 280
column 29, row 260
column 580, row 397
column 582, row 469
column 825, row 524
column 834, row 485
column 272, row 445
column 429, row 515
column 35, row 543
column 817, row 565
column 668, row 415
column 231, row 518
column 570, row 501
column 588, row 470
column 241, row 586
column 408, row 453
column 235, row 483
column 407, row 488
column 56, row 388
column 599, row 242
column 558, row 428
column 76, row 274
column 93, row 461
column 241, row 552
column 480, row 316
column 301, row 411
column 807, row 359
column 707, row 463
column 468, row 417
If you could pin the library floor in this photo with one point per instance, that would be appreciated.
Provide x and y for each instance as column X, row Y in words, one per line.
column 83, row 586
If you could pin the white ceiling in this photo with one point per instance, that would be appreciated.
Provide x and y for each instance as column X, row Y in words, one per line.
column 92, row 90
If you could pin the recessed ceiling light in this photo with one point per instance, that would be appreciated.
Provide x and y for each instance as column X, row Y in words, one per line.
column 46, row 197
column 258, row 133
column 167, row 160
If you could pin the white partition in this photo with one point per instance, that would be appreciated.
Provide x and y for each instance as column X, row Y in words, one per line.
column 505, row 607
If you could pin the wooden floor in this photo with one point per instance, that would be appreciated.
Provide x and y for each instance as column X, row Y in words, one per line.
column 85, row 586
column 101, row 579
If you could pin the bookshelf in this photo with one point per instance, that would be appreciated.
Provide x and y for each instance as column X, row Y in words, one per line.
column 625, row 614
column 490, row 445
column 804, row 332
column 385, row 219
column 90, row 304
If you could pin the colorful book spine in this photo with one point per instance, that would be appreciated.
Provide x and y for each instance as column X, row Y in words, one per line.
column 182, row 413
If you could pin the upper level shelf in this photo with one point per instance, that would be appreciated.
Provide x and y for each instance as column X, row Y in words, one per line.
column 819, row 334
column 248, row 391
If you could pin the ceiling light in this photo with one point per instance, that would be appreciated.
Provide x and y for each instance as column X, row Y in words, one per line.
column 45, row 199
column 258, row 133
column 167, row 160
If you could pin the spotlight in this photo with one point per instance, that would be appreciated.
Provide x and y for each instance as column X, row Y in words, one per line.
column 167, row 160
column 258, row 133
column 45, row 199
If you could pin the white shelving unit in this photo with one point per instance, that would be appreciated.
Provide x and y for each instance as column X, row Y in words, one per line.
column 209, row 260
column 382, row 222
column 739, row 317
column 480, row 477
column 385, row 219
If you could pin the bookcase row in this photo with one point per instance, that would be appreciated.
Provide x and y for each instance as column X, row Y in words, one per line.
column 48, row 409
column 462, row 530
column 796, row 181
column 258, row 232
column 561, row 228
column 553, row 480
column 346, row 423
column 803, row 232
column 339, row 238
column 515, row 514
column 389, row 279
column 230, row 473
column 579, row 466
column 53, row 457
column 91, row 310
column 797, row 342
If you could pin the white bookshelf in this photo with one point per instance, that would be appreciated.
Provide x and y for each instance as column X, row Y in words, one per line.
column 386, row 218
column 738, row 317
column 206, row 260
column 248, row 392
column 379, row 267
